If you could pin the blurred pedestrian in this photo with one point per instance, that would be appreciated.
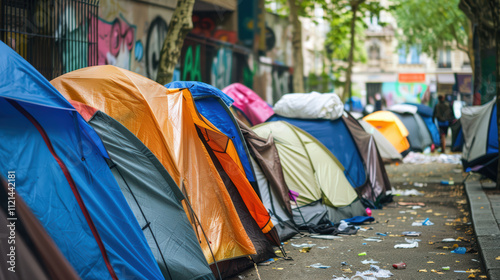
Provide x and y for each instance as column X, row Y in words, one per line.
column 444, row 116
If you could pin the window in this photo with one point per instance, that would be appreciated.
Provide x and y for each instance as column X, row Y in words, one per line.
column 413, row 57
column 444, row 58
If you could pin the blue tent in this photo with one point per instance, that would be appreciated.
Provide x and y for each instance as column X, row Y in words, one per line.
column 62, row 175
column 426, row 113
column 355, row 101
column 214, row 105
column 336, row 137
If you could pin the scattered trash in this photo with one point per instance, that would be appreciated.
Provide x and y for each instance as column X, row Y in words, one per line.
column 305, row 250
column 325, row 237
column 447, row 183
column 325, row 247
column 445, row 268
column 372, row 239
column 402, row 203
column 460, row 271
column 319, row 265
column 343, row 225
column 241, row 277
column 266, row 263
column 416, row 224
column 406, row 245
column 371, row 261
column 427, row 222
column 344, row 263
column 381, row 234
column 418, row 185
column 303, row 245
column 418, row 158
column 412, row 192
column 450, row 240
column 362, row 254
column 474, row 260
column 459, row 250
column 400, row 265
column 416, row 207
column 412, row 233
column 363, row 243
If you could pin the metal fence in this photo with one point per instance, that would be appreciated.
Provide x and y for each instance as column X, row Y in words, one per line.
column 55, row 36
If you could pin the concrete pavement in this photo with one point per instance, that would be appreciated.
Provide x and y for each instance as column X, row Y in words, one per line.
column 485, row 212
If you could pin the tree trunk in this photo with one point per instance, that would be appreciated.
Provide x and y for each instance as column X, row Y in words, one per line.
column 180, row 25
column 298, row 59
column 350, row 59
column 470, row 45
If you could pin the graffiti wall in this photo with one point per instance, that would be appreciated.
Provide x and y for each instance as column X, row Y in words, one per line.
column 396, row 92
column 131, row 33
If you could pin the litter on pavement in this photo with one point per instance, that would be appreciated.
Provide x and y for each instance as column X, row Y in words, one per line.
column 418, row 158
column 319, row 265
column 412, row 192
column 303, row 245
column 371, row 261
column 325, row 237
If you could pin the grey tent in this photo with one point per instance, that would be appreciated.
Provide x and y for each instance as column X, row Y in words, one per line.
column 419, row 137
column 385, row 148
column 154, row 198
column 273, row 190
column 313, row 171
column 480, row 130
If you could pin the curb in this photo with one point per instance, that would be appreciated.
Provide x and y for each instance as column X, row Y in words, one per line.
column 485, row 226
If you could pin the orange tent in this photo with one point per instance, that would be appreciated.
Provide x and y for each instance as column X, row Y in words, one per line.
column 391, row 127
column 167, row 122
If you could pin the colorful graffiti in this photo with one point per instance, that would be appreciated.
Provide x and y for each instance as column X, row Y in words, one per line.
column 157, row 32
column 206, row 27
column 192, row 65
column 115, row 42
column 221, row 68
column 396, row 93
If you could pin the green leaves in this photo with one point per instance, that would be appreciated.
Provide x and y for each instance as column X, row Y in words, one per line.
column 430, row 24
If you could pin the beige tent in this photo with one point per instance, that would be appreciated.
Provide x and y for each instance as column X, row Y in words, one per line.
column 312, row 170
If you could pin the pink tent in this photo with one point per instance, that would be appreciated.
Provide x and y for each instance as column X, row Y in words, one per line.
column 249, row 103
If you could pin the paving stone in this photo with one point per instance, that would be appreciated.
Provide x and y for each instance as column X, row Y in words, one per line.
column 486, row 227
column 489, row 256
column 494, row 274
column 489, row 242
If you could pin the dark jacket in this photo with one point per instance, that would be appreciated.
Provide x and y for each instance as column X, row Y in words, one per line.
column 442, row 112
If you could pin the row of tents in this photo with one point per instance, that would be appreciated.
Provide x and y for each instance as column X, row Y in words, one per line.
column 116, row 176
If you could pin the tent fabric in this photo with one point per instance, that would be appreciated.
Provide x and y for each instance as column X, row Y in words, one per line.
column 312, row 105
column 374, row 192
column 213, row 105
column 154, row 198
column 310, row 169
column 426, row 113
column 419, row 135
column 336, row 137
column 62, row 176
column 254, row 108
column 385, row 148
column 457, row 138
column 480, row 134
column 263, row 247
column 273, row 190
column 37, row 256
column 391, row 127
column 166, row 121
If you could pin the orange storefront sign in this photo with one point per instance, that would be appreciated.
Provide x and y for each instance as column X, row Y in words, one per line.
column 411, row 78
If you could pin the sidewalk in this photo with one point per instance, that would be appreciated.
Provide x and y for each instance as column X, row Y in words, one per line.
column 485, row 211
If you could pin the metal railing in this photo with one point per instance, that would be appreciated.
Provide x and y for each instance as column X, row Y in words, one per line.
column 55, row 36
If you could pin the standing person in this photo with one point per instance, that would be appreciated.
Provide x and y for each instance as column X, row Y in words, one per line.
column 444, row 116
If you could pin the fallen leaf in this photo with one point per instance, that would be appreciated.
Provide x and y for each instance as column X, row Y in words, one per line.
column 439, row 272
column 497, row 258
column 422, row 270
column 483, row 276
column 472, row 276
column 430, row 262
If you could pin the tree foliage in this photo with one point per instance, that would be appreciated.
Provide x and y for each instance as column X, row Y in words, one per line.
column 431, row 25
